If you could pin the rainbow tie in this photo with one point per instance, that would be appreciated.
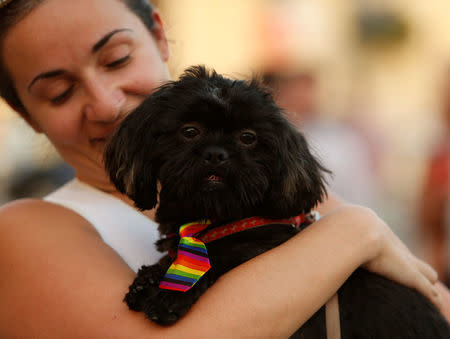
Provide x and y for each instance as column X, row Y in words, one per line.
column 192, row 260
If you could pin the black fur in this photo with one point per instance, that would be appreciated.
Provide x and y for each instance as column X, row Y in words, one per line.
column 222, row 150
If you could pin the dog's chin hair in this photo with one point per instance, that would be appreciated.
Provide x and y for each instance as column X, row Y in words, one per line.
column 214, row 207
column 230, row 202
column 241, row 194
column 208, row 209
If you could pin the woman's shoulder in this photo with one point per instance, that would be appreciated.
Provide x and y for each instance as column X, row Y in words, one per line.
column 39, row 229
column 40, row 216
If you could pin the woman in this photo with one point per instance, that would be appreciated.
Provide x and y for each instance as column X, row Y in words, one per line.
column 74, row 70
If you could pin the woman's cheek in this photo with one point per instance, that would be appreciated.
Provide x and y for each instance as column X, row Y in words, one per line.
column 149, row 75
column 65, row 128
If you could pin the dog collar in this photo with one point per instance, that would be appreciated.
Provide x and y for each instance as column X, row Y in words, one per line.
column 298, row 221
column 192, row 260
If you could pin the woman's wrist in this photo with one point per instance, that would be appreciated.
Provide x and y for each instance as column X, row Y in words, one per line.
column 362, row 222
column 363, row 227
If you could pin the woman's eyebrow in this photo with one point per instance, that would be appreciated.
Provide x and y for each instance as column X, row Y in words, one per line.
column 97, row 46
column 102, row 42
column 46, row 75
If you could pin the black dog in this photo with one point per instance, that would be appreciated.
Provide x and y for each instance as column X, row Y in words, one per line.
column 222, row 150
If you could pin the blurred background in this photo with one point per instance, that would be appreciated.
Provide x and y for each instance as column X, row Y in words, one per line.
column 366, row 80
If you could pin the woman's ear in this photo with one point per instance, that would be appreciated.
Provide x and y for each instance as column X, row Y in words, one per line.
column 159, row 34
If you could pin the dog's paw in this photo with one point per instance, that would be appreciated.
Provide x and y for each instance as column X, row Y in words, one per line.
column 162, row 306
column 145, row 287
column 168, row 306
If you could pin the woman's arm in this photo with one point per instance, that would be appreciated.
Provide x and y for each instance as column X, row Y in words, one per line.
column 60, row 280
column 331, row 202
column 323, row 257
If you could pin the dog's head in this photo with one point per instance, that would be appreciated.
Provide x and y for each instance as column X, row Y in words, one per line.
column 220, row 148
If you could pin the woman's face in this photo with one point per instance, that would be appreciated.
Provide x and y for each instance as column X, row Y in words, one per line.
column 79, row 68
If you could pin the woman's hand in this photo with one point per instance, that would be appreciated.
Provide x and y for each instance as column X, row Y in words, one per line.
column 445, row 294
column 390, row 258
column 393, row 260
column 396, row 262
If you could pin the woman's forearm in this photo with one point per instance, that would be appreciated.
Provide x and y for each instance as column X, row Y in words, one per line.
column 275, row 293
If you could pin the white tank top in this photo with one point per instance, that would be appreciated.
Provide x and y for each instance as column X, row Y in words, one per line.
column 127, row 231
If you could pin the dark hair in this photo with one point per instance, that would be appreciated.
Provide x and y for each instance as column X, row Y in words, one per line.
column 16, row 10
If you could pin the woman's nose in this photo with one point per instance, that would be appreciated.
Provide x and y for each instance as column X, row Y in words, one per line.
column 105, row 103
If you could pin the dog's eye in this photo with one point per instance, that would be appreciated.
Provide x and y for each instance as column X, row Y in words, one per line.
column 190, row 132
column 247, row 138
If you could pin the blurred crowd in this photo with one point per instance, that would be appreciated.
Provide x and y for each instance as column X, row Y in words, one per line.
column 368, row 82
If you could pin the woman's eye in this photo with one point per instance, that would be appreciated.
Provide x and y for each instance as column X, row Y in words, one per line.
column 62, row 97
column 247, row 138
column 118, row 62
column 190, row 132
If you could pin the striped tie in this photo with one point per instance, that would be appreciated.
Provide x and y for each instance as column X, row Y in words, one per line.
column 192, row 260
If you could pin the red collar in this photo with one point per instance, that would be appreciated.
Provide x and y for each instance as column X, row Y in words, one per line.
column 298, row 221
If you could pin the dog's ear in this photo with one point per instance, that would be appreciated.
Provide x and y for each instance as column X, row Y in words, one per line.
column 301, row 184
column 131, row 156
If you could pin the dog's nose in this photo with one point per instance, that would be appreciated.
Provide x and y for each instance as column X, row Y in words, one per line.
column 215, row 155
